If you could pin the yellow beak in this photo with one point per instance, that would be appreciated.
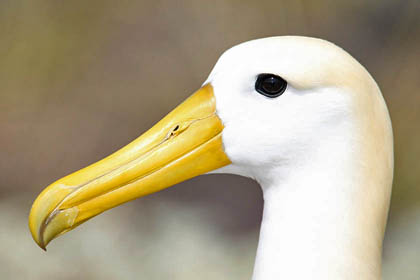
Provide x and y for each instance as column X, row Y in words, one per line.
column 184, row 144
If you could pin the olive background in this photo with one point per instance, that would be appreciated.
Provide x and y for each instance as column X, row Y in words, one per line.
column 79, row 79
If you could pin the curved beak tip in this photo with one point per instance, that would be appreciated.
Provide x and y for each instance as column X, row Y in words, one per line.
column 35, row 237
column 42, row 247
column 35, row 232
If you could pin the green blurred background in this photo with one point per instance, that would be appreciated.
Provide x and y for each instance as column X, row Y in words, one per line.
column 79, row 79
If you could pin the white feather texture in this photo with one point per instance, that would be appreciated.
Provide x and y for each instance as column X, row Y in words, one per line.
column 322, row 153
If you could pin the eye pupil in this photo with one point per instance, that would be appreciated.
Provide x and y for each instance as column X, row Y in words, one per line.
column 270, row 85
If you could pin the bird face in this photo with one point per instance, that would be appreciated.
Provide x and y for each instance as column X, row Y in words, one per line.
column 278, row 102
column 267, row 103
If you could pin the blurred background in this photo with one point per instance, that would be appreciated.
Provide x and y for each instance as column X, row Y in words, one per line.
column 79, row 79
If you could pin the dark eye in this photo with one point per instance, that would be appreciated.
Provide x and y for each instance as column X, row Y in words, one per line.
column 270, row 85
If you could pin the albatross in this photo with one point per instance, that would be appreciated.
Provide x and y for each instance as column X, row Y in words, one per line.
column 301, row 117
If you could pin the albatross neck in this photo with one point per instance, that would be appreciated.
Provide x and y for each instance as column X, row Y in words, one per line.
column 324, row 219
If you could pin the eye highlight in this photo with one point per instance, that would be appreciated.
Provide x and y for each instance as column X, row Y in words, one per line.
column 270, row 85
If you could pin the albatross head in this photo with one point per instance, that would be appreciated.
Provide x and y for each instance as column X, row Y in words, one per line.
column 312, row 100
column 269, row 108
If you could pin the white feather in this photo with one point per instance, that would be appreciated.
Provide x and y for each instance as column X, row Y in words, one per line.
column 322, row 153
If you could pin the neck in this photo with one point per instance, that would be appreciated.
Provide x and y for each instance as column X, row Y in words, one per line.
column 324, row 219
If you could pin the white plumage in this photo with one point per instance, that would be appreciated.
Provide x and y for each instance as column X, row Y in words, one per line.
column 322, row 153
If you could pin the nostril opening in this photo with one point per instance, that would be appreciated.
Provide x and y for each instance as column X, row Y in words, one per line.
column 174, row 130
